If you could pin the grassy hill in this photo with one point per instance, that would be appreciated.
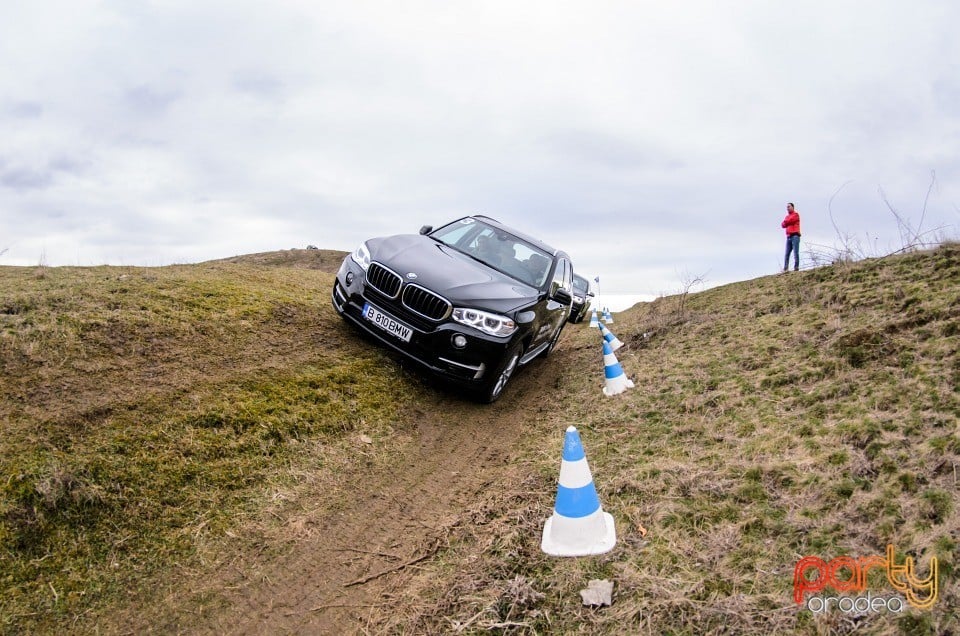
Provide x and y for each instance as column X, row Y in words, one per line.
column 812, row 413
column 803, row 414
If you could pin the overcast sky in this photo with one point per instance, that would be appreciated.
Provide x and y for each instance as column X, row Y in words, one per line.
column 655, row 142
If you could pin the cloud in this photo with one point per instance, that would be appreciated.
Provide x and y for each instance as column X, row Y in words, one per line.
column 148, row 101
column 25, row 178
column 24, row 110
column 257, row 84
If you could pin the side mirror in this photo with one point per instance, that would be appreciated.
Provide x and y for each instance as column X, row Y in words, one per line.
column 562, row 296
column 426, row 229
column 590, row 294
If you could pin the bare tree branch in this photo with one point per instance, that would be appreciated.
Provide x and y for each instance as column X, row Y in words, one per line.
column 847, row 250
column 912, row 237
column 688, row 280
column 830, row 206
column 923, row 211
column 429, row 553
column 902, row 226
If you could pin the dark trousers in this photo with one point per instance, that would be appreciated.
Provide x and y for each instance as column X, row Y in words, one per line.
column 793, row 245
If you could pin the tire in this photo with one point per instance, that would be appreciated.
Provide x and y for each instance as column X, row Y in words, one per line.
column 491, row 391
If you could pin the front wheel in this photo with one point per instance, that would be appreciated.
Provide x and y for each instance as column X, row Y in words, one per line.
column 493, row 388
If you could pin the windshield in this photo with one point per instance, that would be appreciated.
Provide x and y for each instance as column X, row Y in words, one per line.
column 581, row 284
column 498, row 249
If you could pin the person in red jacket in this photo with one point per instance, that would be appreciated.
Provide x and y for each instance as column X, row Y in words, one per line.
column 791, row 223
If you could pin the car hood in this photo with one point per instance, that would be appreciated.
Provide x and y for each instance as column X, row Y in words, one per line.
column 460, row 279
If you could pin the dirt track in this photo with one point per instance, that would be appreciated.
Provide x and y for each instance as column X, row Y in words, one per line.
column 346, row 565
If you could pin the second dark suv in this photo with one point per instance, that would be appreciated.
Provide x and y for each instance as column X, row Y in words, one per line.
column 471, row 301
column 581, row 298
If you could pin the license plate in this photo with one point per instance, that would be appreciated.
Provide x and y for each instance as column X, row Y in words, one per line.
column 387, row 323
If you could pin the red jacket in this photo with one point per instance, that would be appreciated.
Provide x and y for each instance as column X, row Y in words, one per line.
column 791, row 223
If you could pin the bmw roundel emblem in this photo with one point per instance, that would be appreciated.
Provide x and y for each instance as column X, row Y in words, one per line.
column 412, row 275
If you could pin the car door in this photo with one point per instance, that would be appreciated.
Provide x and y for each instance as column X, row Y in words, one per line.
column 555, row 311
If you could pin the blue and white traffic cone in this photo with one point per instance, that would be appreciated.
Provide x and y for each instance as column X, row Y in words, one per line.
column 616, row 379
column 607, row 318
column 593, row 318
column 613, row 341
column 578, row 525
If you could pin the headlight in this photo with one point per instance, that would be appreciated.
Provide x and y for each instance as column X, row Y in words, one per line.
column 361, row 256
column 493, row 324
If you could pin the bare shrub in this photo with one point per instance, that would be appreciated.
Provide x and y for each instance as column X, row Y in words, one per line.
column 849, row 248
column 688, row 281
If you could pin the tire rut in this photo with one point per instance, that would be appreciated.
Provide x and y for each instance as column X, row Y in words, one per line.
column 394, row 518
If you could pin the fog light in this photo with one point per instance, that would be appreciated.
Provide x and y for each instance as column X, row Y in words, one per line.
column 459, row 341
column 349, row 278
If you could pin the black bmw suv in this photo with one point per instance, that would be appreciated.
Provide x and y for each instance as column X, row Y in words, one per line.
column 471, row 301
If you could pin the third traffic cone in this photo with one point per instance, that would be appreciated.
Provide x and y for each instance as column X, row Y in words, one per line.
column 610, row 338
column 616, row 379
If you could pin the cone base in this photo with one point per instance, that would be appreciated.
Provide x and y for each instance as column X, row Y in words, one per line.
column 564, row 538
column 617, row 385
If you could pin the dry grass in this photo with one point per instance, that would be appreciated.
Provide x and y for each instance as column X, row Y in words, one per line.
column 149, row 412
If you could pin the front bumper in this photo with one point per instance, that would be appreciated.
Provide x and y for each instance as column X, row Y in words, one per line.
column 431, row 343
column 578, row 309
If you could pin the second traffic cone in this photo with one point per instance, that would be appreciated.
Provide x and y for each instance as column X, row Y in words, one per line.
column 578, row 525
column 616, row 381
column 607, row 318
column 609, row 337
column 593, row 318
